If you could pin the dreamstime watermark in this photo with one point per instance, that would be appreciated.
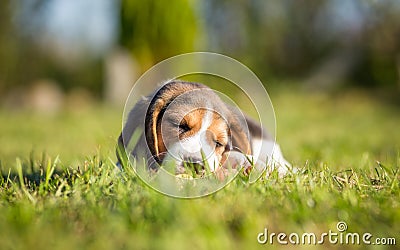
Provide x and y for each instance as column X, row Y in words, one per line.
column 338, row 236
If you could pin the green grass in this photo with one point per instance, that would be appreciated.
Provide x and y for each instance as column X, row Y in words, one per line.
column 72, row 197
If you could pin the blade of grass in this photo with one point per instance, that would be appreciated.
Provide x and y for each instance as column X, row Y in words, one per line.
column 50, row 170
column 22, row 183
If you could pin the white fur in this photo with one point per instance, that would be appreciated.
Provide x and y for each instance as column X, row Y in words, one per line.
column 270, row 152
column 194, row 145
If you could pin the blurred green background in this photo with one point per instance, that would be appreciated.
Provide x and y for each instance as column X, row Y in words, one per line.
column 74, row 45
column 66, row 67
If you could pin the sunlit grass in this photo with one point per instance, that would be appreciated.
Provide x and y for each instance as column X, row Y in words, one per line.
column 346, row 147
column 72, row 135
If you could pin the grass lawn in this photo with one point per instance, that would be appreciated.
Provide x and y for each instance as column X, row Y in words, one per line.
column 60, row 189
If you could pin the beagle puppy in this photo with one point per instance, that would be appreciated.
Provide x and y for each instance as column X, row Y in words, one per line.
column 188, row 122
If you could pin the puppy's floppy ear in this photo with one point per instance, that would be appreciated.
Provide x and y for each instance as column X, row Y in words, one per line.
column 240, row 139
column 153, row 117
column 158, row 105
column 239, row 132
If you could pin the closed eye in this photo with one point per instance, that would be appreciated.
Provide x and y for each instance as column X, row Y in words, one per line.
column 183, row 127
column 218, row 144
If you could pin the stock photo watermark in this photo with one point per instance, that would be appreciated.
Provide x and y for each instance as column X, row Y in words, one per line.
column 339, row 236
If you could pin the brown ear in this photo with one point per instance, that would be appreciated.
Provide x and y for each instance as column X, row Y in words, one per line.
column 158, row 105
column 240, row 139
column 153, row 117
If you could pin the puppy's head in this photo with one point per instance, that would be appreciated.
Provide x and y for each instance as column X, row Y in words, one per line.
column 189, row 123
